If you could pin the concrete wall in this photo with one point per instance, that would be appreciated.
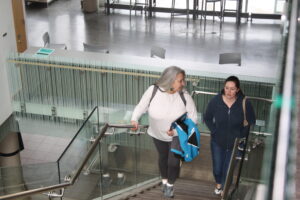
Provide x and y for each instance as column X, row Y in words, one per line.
column 7, row 45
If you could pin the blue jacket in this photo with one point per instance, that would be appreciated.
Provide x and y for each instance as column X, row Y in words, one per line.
column 187, row 144
column 225, row 123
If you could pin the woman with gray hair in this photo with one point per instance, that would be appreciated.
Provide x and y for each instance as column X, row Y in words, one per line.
column 165, row 102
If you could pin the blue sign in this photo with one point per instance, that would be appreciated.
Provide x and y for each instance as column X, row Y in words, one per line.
column 44, row 52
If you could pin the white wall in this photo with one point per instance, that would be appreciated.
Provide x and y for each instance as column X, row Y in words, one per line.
column 7, row 45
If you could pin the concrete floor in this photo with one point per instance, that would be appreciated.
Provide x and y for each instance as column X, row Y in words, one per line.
column 259, row 42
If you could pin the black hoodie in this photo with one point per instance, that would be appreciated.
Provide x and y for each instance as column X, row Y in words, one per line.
column 226, row 123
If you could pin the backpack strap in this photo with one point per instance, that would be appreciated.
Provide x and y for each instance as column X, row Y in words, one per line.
column 182, row 97
column 155, row 91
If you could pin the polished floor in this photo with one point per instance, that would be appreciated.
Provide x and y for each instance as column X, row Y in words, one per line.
column 40, row 137
column 259, row 42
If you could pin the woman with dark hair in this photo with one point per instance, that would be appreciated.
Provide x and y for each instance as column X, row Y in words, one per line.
column 224, row 117
column 168, row 103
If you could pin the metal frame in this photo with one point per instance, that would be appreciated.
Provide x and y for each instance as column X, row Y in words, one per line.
column 194, row 11
column 215, row 93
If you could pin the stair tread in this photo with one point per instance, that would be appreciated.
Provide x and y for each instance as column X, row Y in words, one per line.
column 184, row 189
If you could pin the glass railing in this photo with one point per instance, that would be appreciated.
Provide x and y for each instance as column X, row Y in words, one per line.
column 76, row 151
column 95, row 151
column 128, row 159
column 40, row 177
column 114, row 87
column 122, row 161
column 75, row 87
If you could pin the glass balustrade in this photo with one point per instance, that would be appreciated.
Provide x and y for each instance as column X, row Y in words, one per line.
column 74, row 88
column 122, row 160
column 127, row 157
column 126, row 161
column 77, row 149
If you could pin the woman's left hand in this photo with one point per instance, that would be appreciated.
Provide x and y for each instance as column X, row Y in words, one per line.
column 170, row 132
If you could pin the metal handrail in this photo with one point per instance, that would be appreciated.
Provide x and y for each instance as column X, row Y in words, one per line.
column 78, row 171
column 69, row 66
column 265, row 134
column 34, row 191
column 215, row 93
column 126, row 126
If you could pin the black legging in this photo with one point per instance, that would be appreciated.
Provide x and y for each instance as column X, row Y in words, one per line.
column 169, row 165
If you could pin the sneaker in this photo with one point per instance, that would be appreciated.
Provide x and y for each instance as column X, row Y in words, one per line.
column 169, row 192
column 106, row 181
column 121, row 179
column 218, row 191
column 163, row 188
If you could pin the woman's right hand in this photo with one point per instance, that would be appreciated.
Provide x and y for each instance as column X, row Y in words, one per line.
column 135, row 125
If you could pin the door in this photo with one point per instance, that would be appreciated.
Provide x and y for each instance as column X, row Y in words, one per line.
column 19, row 21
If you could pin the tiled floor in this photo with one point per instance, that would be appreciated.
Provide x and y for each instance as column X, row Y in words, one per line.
column 44, row 141
column 259, row 42
column 41, row 149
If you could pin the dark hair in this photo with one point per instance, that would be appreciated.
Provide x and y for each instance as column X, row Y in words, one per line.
column 233, row 79
column 236, row 82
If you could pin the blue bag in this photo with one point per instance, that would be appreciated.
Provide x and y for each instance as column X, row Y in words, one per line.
column 187, row 143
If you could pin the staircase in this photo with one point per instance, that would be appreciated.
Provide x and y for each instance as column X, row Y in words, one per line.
column 184, row 190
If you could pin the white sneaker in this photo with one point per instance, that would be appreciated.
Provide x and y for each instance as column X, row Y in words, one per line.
column 218, row 191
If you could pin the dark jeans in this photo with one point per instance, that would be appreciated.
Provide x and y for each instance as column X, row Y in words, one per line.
column 169, row 165
column 220, row 160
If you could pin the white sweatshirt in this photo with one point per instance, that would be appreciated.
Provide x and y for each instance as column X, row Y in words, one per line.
column 164, row 109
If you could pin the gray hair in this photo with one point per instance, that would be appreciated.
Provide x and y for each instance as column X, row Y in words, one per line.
column 168, row 77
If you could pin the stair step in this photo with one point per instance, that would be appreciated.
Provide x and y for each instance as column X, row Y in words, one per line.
column 184, row 189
